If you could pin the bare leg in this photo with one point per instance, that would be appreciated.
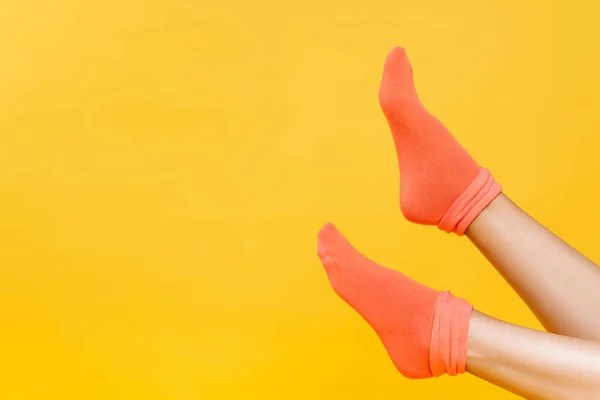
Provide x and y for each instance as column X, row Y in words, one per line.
column 561, row 286
column 533, row 364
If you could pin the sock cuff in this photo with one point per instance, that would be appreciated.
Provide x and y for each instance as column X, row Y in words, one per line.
column 470, row 203
column 448, row 347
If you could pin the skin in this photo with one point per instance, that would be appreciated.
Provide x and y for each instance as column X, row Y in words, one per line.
column 560, row 285
column 533, row 364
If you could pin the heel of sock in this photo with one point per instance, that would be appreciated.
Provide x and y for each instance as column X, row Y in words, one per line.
column 471, row 203
column 448, row 347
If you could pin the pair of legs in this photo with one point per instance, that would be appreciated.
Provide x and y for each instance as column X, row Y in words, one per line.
column 561, row 287
column 427, row 333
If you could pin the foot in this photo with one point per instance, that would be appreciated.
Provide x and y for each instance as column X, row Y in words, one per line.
column 415, row 323
column 440, row 183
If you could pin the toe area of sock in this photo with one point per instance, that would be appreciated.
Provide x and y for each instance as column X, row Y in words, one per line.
column 326, row 245
column 397, row 67
column 327, row 234
column 397, row 87
column 397, row 60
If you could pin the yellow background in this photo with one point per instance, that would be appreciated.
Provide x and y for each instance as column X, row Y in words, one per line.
column 165, row 167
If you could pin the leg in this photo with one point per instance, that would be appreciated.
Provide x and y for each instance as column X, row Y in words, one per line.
column 560, row 285
column 427, row 333
column 533, row 364
column 442, row 185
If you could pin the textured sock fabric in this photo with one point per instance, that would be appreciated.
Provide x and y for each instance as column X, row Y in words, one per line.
column 424, row 331
column 440, row 184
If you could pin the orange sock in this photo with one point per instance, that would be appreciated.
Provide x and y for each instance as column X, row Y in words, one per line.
column 440, row 183
column 424, row 331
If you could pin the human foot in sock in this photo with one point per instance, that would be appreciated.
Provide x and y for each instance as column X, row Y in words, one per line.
column 440, row 183
column 424, row 331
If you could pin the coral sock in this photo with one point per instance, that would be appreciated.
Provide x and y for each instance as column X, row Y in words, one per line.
column 424, row 331
column 440, row 183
